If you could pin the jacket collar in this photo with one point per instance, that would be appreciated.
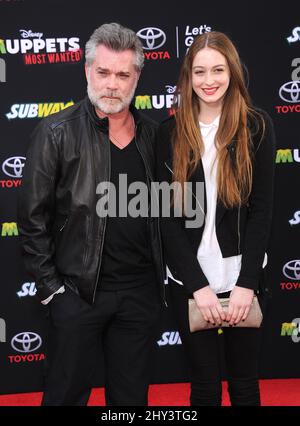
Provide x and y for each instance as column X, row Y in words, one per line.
column 102, row 123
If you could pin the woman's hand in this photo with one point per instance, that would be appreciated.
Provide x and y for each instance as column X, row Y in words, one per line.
column 239, row 304
column 209, row 305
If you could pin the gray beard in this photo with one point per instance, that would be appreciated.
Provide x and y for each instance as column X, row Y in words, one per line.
column 104, row 107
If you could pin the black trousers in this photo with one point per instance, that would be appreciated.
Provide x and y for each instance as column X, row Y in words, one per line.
column 125, row 321
column 241, row 349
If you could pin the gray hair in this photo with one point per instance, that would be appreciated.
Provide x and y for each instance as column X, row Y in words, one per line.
column 115, row 37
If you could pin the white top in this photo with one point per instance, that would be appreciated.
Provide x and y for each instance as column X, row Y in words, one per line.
column 221, row 273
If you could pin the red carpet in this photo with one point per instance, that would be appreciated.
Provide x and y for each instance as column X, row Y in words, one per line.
column 279, row 392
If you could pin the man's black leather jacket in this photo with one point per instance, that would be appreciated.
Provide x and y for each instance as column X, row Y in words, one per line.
column 62, row 235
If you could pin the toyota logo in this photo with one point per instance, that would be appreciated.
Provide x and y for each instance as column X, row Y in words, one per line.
column 13, row 166
column 26, row 342
column 292, row 270
column 290, row 91
column 153, row 37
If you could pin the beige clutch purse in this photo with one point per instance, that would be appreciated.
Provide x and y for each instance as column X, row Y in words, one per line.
column 197, row 322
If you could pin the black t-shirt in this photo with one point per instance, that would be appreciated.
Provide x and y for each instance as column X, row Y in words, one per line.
column 126, row 259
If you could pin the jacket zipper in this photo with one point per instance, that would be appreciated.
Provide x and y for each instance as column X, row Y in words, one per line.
column 103, row 235
column 159, row 236
column 64, row 224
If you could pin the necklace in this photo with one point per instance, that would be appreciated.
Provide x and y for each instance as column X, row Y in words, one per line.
column 116, row 140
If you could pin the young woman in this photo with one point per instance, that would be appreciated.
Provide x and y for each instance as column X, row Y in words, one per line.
column 217, row 137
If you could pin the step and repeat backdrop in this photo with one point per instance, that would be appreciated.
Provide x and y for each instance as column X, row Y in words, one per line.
column 42, row 72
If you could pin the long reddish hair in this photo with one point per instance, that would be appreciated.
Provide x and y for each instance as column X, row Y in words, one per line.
column 234, row 173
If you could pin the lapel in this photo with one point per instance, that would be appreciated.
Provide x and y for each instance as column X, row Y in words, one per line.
column 198, row 176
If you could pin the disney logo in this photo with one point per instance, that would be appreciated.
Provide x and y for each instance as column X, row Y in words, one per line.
column 29, row 33
column 170, row 89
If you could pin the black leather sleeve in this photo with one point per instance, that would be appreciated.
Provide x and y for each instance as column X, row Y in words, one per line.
column 36, row 204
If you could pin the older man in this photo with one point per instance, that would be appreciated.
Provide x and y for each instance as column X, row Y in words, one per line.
column 101, row 276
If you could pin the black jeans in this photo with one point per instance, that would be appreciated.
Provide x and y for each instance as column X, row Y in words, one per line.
column 125, row 321
column 241, row 349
